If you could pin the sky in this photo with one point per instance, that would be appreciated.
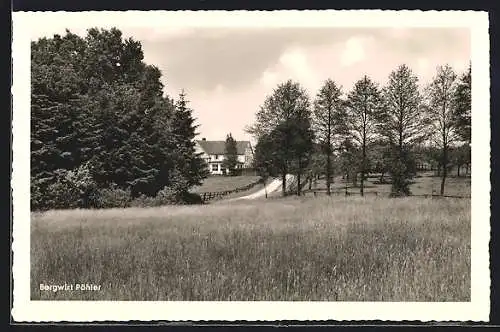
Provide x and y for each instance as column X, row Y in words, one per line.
column 227, row 72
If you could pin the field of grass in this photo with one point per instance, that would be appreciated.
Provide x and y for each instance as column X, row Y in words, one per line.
column 223, row 183
column 424, row 184
column 327, row 248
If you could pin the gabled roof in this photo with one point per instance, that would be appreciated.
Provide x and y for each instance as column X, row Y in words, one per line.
column 218, row 147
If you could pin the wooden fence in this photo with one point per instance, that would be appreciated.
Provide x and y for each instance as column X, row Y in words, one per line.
column 322, row 191
column 208, row 196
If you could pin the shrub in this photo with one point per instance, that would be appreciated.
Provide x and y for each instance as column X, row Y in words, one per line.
column 402, row 170
column 191, row 198
column 83, row 184
column 52, row 193
column 63, row 196
column 113, row 197
column 143, row 201
column 164, row 197
column 37, row 196
column 168, row 196
column 64, row 189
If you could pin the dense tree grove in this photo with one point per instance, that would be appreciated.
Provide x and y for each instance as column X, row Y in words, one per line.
column 386, row 130
column 100, row 122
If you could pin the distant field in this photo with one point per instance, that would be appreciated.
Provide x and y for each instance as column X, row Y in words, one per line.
column 424, row 184
column 223, row 183
column 335, row 249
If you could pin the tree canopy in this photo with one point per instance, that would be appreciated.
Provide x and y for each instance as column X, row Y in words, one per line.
column 329, row 123
column 230, row 154
column 363, row 106
column 283, row 125
column 403, row 123
column 99, row 110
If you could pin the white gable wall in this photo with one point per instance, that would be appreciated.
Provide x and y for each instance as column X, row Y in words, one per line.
column 215, row 161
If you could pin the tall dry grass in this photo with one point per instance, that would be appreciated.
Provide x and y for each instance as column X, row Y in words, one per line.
column 334, row 249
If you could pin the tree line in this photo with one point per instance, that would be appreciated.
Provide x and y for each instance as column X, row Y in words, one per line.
column 371, row 128
column 101, row 125
column 103, row 133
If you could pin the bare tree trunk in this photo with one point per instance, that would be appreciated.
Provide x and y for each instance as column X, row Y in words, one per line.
column 346, row 181
column 458, row 171
column 283, row 184
column 329, row 155
column 361, row 189
column 298, row 183
column 445, row 169
column 298, row 177
column 328, row 172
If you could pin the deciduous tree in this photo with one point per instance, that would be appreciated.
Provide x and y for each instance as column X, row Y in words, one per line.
column 230, row 154
column 445, row 132
column 363, row 103
column 462, row 105
column 404, row 123
column 283, row 112
column 329, row 123
column 462, row 113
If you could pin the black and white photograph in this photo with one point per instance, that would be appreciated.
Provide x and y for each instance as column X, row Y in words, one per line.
column 251, row 165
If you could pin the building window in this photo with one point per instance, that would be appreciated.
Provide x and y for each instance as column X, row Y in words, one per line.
column 216, row 157
column 215, row 167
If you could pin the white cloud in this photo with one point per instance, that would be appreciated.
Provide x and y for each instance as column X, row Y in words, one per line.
column 269, row 78
column 398, row 33
column 295, row 64
column 355, row 51
column 459, row 66
column 294, row 60
column 220, row 88
column 423, row 64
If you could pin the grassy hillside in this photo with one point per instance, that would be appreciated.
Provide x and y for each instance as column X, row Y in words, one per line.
column 335, row 249
column 223, row 183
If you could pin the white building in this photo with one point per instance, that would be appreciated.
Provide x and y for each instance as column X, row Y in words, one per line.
column 213, row 152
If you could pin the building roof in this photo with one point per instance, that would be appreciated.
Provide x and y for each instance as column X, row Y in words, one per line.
column 218, row 147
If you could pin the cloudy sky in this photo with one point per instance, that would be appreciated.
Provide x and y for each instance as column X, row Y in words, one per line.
column 228, row 72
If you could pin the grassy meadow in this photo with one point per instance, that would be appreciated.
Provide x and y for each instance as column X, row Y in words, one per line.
column 424, row 184
column 322, row 249
column 217, row 183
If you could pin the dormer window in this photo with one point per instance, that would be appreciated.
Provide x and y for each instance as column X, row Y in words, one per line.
column 216, row 157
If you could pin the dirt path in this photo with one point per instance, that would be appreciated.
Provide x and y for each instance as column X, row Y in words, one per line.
column 271, row 187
